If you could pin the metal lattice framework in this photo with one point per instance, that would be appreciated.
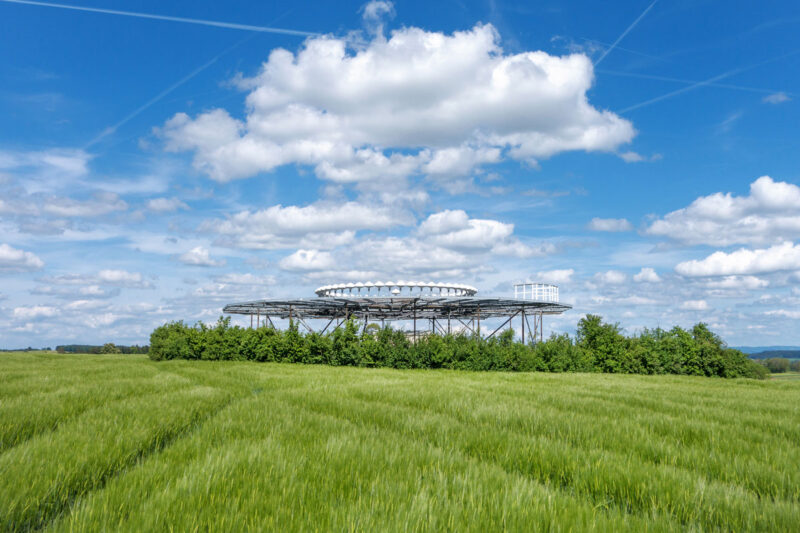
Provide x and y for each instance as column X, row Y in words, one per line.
column 419, row 301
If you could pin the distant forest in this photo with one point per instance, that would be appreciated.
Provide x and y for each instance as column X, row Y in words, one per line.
column 770, row 354
column 106, row 348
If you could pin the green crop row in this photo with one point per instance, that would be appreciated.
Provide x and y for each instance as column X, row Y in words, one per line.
column 42, row 476
column 214, row 445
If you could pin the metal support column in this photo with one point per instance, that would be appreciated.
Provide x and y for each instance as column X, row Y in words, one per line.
column 541, row 327
column 414, row 306
column 531, row 335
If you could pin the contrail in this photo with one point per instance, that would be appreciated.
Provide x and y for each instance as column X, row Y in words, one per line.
column 228, row 25
column 692, row 82
column 111, row 129
column 618, row 47
column 709, row 81
column 633, row 25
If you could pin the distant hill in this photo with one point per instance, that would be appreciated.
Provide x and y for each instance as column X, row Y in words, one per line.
column 769, row 354
column 757, row 349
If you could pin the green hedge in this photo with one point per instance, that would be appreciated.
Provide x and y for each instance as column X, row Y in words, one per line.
column 597, row 347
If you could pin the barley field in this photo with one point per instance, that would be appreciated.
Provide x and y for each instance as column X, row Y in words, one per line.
column 122, row 443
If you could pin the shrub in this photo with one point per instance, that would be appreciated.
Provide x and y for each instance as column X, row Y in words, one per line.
column 598, row 347
column 110, row 347
column 171, row 341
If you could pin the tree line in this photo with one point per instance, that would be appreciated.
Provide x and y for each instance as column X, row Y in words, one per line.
column 780, row 365
column 597, row 347
column 108, row 347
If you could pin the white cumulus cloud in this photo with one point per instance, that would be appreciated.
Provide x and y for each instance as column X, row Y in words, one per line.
column 611, row 277
column 15, row 260
column 769, row 214
column 776, row 98
column 647, row 275
column 417, row 102
column 101, row 203
column 610, row 224
column 199, row 256
column 695, row 305
column 737, row 283
column 36, row 311
column 121, row 278
column 47, row 167
column 110, row 277
column 303, row 260
column 781, row 257
column 794, row 314
column 165, row 205
column 455, row 230
column 322, row 225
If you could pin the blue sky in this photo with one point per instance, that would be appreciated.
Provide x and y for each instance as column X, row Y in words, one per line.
column 641, row 155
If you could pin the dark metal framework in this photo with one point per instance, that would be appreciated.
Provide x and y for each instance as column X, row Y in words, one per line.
column 441, row 313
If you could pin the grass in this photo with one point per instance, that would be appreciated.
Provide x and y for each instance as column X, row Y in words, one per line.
column 120, row 443
column 786, row 376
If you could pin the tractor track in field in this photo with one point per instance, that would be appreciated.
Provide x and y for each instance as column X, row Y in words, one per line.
column 156, row 446
column 546, row 481
column 52, row 427
column 602, row 504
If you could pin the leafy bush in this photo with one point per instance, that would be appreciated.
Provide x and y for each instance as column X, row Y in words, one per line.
column 597, row 347
column 110, row 347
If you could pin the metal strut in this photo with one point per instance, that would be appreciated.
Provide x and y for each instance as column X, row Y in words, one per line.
column 328, row 324
column 466, row 326
column 503, row 324
column 304, row 324
column 530, row 336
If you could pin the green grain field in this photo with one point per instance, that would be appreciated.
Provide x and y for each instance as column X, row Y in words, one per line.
column 121, row 443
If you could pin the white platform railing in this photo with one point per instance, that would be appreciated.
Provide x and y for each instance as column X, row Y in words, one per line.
column 537, row 292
